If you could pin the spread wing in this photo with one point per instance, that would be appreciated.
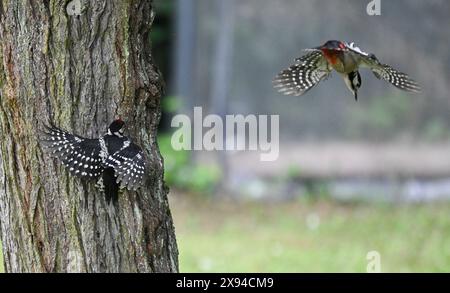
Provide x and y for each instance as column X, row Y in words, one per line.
column 398, row 79
column 307, row 72
column 81, row 156
column 129, row 165
column 383, row 71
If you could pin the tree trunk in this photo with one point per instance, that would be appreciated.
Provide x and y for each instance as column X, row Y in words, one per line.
column 80, row 71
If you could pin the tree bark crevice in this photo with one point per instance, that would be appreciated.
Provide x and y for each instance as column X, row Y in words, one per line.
column 79, row 72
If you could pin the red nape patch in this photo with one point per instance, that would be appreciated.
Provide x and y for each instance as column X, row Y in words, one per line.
column 330, row 55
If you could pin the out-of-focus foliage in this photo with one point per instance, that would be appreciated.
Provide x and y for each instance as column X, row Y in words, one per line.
column 161, row 31
column 162, row 34
column 171, row 104
column 163, row 38
column 310, row 237
column 180, row 173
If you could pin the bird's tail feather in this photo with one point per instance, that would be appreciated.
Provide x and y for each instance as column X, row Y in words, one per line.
column 110, row 186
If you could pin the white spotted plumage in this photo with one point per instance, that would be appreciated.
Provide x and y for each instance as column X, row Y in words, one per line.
column 129, row 165
column 76, row 153
column 89, row 158
column 308, row 71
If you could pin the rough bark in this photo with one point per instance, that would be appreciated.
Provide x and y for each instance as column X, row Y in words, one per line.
column 81, row 72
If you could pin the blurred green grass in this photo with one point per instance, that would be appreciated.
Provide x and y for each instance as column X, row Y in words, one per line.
column 310, row 237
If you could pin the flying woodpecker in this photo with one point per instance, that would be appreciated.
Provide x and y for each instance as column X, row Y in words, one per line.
column 346, row 59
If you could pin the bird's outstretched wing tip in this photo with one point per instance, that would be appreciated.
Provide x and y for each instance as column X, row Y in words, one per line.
column 417, row 90
column 285, row 91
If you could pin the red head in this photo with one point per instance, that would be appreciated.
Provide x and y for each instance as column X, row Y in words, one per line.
column 334, row 45
column 116, row 127
column 332, row 49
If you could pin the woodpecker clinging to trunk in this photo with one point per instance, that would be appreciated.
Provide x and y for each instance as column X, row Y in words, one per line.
column 346, row 59
column 112, row 159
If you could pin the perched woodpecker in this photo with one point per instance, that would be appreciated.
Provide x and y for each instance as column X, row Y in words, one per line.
column 112, row 159
column 346, row 59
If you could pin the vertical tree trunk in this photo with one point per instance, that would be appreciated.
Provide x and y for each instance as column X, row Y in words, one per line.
column 80, row 71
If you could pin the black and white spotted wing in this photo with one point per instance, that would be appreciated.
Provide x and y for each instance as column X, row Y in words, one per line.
column 81, row 156
column 383, row 71
column 307, row 72
column 129, row 165
column 398, row 79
